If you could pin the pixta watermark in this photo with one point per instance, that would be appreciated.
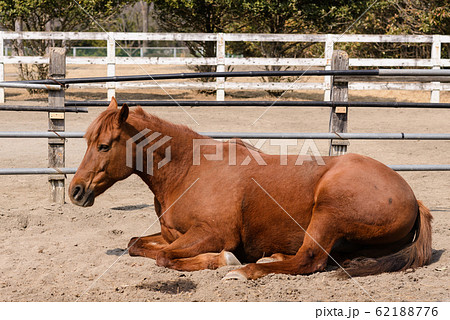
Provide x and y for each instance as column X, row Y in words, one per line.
column 213, row 150
column 139, row 159
column 307, row 152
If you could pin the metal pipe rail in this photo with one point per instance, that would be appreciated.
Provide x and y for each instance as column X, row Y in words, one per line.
column 420, row 167
column 252, row 135
column 244, row 103
column 327, row 136
column 372, row 72
column 41, row 134
column 22, row 171
column 23, row 85
column 42, row 109
column 34, row 171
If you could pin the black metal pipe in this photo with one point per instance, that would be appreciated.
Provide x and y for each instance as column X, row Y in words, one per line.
column 174, row 103
column 43, row 109
column 171, row 76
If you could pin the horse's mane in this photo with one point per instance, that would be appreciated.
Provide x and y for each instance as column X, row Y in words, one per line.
column 107, row 121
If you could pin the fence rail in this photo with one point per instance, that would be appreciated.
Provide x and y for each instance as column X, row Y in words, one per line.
column 220, row 60
column 247, row 103
column 341, row 75
column 40, row 171
column 257, row 135
column 23, row 85
column 42, row 109
column 26, row 171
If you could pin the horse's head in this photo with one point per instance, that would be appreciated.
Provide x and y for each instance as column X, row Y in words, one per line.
column 105, row 160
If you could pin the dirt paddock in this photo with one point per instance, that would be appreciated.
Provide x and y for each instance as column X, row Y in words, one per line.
column 66, row 253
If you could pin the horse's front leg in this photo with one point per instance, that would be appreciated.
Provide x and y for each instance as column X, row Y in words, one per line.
column 198, row 249
column 275, row 257
column 211, row 260
column 147, row 246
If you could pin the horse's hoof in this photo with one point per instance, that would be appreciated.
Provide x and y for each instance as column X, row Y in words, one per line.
column 266, row 260
column 234, row 275
column 230, row 259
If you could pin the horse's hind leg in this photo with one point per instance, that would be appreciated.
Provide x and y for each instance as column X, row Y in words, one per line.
column 147, row 246
column 311, row 257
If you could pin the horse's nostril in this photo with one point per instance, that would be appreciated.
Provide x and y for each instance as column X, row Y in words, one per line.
column 78, row 192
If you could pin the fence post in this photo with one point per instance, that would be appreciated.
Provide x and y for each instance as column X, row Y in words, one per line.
column 436, row 60
column 111, row 65
column 56, row 122
column 328, row 54
column 2, row 68
column 220, row 54
column 339, row 115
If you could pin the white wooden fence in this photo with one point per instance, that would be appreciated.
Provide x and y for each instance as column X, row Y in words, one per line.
column 221, row 60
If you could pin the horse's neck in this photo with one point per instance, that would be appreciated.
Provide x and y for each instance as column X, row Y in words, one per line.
column 163, row 179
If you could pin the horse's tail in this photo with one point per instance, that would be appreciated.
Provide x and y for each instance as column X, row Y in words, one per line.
column 416, row 254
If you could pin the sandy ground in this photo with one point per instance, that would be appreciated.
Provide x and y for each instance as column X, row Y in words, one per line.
column 66, row 253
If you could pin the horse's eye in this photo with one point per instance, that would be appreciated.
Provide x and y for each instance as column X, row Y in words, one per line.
column 103, row 148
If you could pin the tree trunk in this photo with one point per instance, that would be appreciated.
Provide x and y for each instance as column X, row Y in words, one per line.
column 18, row 48
column 144, row 8
column 49, row 43
column 152, row 24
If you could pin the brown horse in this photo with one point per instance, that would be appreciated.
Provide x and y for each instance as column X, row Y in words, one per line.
column 219, row 207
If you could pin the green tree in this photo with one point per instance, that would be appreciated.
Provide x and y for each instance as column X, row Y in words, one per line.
column 339, row 16
column 64, row 15
column 51, row 15
column 265, row 16
column 202, row 16
column 400, row 17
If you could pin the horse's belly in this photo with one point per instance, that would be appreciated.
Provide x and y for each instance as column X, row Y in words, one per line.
column 270, row 227
column 263, row 243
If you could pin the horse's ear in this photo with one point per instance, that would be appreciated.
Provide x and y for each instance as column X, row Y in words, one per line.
column 113, row 104
column 123, row 114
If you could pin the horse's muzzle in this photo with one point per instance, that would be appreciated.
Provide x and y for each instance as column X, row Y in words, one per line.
column 81, row 197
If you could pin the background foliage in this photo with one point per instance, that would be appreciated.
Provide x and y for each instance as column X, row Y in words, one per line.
column 245, row 16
